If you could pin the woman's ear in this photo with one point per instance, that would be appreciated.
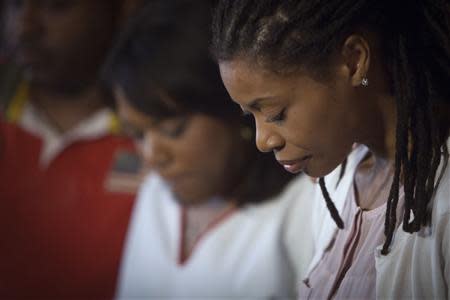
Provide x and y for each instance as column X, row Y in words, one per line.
column 356, row 59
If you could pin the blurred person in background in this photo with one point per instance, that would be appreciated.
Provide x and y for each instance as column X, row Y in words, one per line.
column 67, row 175
column 214, row 217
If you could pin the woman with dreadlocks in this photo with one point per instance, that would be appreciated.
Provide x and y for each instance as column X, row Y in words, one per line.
column 321, row 75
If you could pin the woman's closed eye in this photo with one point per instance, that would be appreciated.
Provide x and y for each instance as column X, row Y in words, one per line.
column 246, row 113
column 278, row 118
column 174, row 128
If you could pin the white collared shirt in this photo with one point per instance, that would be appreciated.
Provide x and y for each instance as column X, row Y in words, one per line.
column 257, row 252
column 93, row 127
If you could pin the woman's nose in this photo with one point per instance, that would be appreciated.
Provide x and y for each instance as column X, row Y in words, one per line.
column 268, row 140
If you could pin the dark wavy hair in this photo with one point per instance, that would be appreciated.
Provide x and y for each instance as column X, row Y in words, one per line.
column 163, row 52
column 286, row 35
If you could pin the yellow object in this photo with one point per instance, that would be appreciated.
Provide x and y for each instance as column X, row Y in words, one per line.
column 17, row 105
column 114, row 124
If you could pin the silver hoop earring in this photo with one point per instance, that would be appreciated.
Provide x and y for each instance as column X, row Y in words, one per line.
column 365, row 82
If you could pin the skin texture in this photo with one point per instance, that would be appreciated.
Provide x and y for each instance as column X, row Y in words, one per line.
column 196, row 155
column 310, row 122
column 59, row 44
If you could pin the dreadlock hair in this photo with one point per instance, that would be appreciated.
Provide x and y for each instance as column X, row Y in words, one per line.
column 330, row 205
column 282, row 36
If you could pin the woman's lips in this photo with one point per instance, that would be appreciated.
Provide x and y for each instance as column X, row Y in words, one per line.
column 295, row 166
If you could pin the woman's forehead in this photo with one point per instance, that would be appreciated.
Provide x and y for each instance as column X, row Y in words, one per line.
column 250, row 85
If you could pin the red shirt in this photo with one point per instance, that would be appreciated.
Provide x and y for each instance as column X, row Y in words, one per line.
column 61, row 230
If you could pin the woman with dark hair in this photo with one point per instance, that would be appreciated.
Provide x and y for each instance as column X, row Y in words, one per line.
column 214, row 218
column 319, row 76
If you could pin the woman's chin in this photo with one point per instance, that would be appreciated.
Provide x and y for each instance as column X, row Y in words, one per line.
column 317, row 169
column 187, row 199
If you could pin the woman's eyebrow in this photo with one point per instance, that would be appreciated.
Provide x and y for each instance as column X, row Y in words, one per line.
column 258, row 102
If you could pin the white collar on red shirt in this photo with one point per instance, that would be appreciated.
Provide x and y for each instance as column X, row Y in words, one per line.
column 21, row 111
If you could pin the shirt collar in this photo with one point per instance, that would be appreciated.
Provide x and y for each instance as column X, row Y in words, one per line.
column 22, row 112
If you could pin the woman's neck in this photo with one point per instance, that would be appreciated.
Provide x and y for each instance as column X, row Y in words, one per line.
column 381, row 127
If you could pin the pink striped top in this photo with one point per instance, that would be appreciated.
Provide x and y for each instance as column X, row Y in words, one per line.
column 347, row 268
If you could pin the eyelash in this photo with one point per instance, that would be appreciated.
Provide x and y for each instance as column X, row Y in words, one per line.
column 246, row 113
column 178, row 131
column 278, row 118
